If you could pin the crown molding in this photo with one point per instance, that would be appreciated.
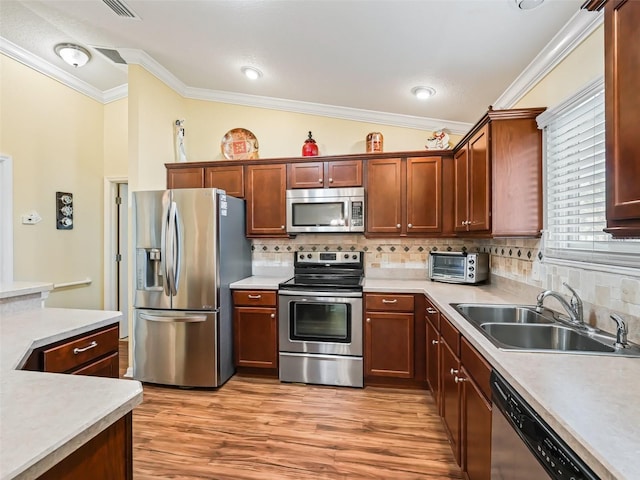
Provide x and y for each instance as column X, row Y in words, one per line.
column 332, row 111
column 576, row 30
column 142, row 58
column 21, row 55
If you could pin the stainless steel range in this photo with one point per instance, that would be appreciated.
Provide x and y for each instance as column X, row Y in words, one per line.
column 320, row 320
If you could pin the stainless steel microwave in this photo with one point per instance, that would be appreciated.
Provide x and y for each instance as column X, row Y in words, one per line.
column 325, row 210
column 458, row 267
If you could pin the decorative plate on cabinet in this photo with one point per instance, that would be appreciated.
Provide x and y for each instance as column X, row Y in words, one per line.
column 239, row 144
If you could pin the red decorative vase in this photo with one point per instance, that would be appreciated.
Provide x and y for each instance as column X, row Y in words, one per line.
column 310, row 148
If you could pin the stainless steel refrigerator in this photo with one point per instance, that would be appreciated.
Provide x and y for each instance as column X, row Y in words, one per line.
column 190, row 245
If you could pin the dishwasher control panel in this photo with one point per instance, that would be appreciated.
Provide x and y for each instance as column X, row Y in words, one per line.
column 560, row 462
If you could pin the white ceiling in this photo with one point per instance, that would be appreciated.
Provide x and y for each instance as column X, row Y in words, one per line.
column 361, row 54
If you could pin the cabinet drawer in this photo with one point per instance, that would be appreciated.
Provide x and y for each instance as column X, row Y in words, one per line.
column 432, row 313
column 450, row 335
column 105, row 367
column 477, row 367
column 254, row 298
column 80, row 351
column 389, row 303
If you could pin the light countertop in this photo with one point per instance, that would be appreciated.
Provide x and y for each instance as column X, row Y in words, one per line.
column 590, row 401
column 15, row 289
column 44, row 417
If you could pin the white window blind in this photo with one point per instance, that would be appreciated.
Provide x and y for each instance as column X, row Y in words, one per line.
column 575, row 189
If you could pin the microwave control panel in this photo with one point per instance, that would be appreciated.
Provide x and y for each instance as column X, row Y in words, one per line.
column 357, row 217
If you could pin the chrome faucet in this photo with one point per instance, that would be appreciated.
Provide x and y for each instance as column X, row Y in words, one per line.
column 574, row 307
column 621, row 332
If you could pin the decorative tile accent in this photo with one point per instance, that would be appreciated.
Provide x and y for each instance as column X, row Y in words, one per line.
column 393, row 249
column 539, row 255
column 510, row 252
column 288, row 248
column 449, row 249
column 406, row 249
column 366, row 249
column 314, row 248
column 420, row 249
column 352, row 248
column 379, row 249
column 464, row 249
column 253, row 248
column 519, row 253
column 276, row 248
column 264, row 248
column 529, row 254
column 435, row 249
column 501, row 252
column 339, row 249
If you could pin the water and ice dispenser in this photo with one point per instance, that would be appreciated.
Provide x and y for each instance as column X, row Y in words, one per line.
column 149, row 272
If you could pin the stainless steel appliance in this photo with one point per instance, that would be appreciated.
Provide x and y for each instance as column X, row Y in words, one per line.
column 189, row 246
column 458, row 267
column 324, row 210
column 523, row 446
column 320, row 320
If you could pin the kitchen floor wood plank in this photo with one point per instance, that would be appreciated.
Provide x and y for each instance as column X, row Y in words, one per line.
column 261, row 429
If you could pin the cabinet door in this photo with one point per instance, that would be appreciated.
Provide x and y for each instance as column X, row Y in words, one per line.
column 450, row 394
column 265, row 193
column 305, row 175
column 192, row 177
column 389, row 341
column 461, row 187
column 622, row 111
column 433, row 366
column 424, row 195
column 476, row 435
column 385, row 187
column 255, row 337
column 344, row 174
column 229, row 179
column 479, row 181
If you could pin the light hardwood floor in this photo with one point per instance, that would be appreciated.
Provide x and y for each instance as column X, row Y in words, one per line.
column 262, row 429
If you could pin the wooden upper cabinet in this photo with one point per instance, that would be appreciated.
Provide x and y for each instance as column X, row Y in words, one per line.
column 622, row 117
column 265, row 187
column 386, row 181
column 188, row 177
column 498, row 176
column 404, row 196
column 305, row 175
column 228, row 178
column 424, row 195
column 472, row 184
column 325, row 174
column 343, row 174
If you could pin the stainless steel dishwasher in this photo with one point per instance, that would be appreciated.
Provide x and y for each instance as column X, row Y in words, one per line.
column 523, row 446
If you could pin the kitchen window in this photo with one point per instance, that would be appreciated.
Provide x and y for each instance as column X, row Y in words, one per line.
column 575, row 190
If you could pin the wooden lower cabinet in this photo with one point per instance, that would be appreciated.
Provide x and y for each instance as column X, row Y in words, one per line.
column 107, row 456
column 476, row 433
column 255, row 327
column 394, row 351
column 450, row 395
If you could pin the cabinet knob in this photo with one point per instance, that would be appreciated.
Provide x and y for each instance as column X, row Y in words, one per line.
column 319, row 180
column 464, row 222
column 434, row 342
column 459, row 379
column 410, row 225
column 453, row 371
column 273, row 315
column 398, row 225
column 281, row 227
column 368, row 320
column 331, row 180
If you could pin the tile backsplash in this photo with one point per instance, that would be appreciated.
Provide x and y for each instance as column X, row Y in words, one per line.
column 516, row 264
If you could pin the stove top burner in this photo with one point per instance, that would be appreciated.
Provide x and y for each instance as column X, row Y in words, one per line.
column 327, row 271
column 324, row 283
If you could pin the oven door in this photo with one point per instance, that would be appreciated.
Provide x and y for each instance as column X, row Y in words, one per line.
column 320, row 322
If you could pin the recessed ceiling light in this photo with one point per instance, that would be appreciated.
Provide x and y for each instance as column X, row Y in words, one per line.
column 422, row 93
column 74, row 55
column 528, row 4
column 251, row 72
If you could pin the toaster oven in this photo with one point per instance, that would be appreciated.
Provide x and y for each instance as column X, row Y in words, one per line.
column 458, row 267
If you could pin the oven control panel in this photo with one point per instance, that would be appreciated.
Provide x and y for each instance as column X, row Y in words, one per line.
column 331, row 258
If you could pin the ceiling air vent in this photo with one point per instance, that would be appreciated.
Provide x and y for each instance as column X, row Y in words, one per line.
column 120, row 9
column 112, row 55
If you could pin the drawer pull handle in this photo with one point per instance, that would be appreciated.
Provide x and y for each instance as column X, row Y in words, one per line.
column 434, row 342
column 93, row 344
column 384, row 300
column 255, row 297
column 431, row 310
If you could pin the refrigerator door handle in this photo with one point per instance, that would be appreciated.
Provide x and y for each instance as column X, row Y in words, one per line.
column 171, row 248
column 160, row 318
column 164, row 248
column 177, row 249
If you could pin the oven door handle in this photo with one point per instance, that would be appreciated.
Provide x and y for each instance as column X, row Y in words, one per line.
column 310, row 293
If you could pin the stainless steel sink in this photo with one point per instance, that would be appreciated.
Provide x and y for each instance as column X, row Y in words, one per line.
column 543, row 337
column 480, row 314
column 527, row 328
